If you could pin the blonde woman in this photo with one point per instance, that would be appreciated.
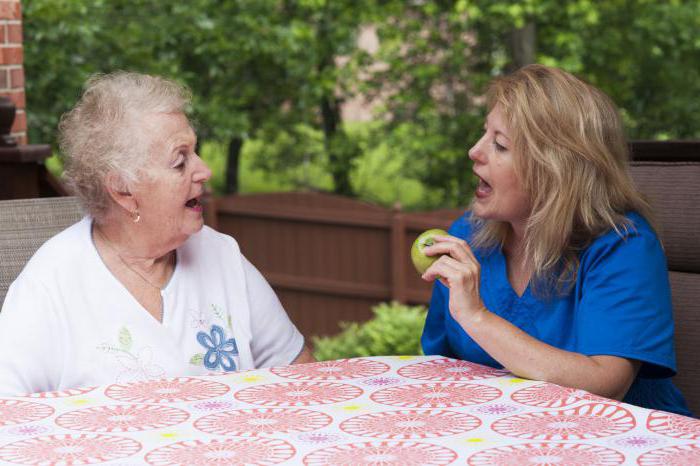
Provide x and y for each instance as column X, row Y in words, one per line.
column 556, row 273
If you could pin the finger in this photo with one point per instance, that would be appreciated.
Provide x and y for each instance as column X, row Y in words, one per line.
column 452, row 270
column 440, row 272
column 459, row 241
column 458, row 249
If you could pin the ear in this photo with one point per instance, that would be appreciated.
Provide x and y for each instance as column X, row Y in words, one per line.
column 120, row 193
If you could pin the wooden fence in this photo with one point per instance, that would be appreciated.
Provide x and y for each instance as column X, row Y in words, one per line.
column 329, row 258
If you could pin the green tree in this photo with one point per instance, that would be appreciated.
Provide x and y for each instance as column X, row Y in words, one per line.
column 436, row 58
column 267, row 65
column 268, row 70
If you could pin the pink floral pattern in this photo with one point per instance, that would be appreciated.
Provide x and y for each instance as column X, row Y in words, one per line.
column 382, row 381
column 449, row 370
column 69, row 449
column 122, row 418
column 637, row 441
column 19, row 412
column 681, row 455
column 320, row 437
column 166, row 390
column 261, row 421
column 546, row 454
column 29, row 430
column 436, row 395
column 382, row 454
column 213, row 405
column 552, row 396
column 589, row 421
column 340, row 369
column 496, row 409
column 366, row 411
column 227, row 452
column 299, row 394
column 410, row 424
column 673, row 425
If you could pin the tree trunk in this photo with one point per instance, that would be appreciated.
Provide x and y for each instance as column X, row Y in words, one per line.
column 335, row 142
column 522, row 46
column 232, row 165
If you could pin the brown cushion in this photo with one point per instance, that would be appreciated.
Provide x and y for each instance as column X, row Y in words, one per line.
column 673, row 188
column 685, row 289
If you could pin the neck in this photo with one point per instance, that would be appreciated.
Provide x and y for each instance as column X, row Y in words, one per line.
column 128, row 239
column 139, row 257
column 514, row 246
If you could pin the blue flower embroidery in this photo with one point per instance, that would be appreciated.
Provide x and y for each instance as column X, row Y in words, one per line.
column 220, row 352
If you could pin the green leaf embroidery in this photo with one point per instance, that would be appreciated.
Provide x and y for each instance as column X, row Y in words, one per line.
column 125, row 339
column 107, row 348
column 217, row 311
column 197, row 359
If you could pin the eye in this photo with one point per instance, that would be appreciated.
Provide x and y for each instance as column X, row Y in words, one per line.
column 499, row 147
column 181, row 160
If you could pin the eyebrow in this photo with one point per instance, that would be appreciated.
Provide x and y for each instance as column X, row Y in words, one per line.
column 502, row 134
column 486, row 125
column 184, row 142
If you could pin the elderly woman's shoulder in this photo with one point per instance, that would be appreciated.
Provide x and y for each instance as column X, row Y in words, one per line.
column 69, row 248
column 209, row 238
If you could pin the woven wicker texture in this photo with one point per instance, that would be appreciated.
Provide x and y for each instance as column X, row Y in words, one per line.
column 673, row 188
column 25, row 224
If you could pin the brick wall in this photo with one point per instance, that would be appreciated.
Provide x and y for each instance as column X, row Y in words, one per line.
column 11, row 60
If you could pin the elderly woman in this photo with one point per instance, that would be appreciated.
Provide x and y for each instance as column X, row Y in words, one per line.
column 556, row 273
column 139, row 288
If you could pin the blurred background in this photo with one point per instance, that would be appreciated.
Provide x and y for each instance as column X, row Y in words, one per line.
column 375, row 101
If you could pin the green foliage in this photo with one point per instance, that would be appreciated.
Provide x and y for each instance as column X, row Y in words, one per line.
column 645, row 54
column 436, row 58
column 250, row 65
column 270, row 73
column 395, row 329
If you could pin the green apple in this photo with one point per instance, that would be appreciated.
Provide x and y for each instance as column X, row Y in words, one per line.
column 425, row 239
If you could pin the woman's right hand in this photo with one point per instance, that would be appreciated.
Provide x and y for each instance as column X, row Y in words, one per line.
column 459, row 271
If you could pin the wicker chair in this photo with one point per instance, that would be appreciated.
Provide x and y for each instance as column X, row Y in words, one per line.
column 25, row 224
column 668, row 173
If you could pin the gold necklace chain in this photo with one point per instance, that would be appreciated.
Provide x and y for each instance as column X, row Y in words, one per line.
column 141, row 276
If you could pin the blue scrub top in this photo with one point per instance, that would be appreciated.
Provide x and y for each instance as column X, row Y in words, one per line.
column 620, row 306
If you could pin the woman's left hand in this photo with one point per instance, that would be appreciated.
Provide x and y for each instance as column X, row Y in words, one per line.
column 458, row 270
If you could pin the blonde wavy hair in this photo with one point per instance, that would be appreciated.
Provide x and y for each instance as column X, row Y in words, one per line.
column 571, row 156
column 102, row 134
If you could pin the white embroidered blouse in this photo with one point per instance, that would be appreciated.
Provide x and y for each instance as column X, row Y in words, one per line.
column 67, row 322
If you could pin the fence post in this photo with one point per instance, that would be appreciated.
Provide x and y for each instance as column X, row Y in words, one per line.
column 398, row 252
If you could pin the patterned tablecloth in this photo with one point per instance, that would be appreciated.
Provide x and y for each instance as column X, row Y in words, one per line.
column 379, row 411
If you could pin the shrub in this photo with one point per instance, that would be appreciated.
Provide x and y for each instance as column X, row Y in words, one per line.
column 395, row 329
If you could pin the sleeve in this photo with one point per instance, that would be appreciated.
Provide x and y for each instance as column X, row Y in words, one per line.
column 31, row 357
column 434, row 339
column 625, row 308
column 275, row 340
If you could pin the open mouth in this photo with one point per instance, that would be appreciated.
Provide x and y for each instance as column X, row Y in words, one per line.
column 194, row 204
column 483, row 189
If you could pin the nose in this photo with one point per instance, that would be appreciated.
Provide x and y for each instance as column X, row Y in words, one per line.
column 202, row 172
column 476, row 153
